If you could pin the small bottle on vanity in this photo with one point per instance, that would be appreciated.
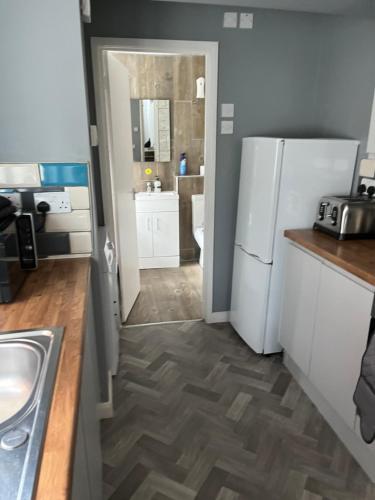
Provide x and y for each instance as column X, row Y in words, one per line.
column 157, row 185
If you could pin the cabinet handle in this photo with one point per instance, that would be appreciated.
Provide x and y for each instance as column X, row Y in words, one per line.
column 149, row 223
column 158, row 224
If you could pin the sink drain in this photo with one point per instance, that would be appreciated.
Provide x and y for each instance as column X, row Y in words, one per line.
column 14, row 439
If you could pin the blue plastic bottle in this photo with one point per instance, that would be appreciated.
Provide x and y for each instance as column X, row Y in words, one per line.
column 183, row 164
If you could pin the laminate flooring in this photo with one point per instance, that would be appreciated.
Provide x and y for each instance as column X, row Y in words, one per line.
column 169, row 294
column 199, row 415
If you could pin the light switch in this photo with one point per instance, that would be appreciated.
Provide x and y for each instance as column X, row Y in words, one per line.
column 246, row 21
column 226, row 127
column 227, row 110
column 230, row 20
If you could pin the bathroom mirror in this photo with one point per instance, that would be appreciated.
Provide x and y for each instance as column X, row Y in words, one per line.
column 151, row 130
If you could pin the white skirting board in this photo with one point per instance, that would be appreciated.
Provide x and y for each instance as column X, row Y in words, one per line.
column 362, row 452
column 105, row 409
column 218, row 317
column 159, row 262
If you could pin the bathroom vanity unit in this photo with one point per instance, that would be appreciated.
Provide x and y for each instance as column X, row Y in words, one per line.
column 325, row 324
column 158, row 229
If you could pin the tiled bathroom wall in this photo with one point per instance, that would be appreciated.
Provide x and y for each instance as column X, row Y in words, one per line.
column 68, row 233
column 173, row 78
column 186, row 186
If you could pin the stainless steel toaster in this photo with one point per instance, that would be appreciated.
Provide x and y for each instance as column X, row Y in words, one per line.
column 346, row 217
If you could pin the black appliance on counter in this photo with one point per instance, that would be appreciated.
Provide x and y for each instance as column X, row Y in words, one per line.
column 18, row 250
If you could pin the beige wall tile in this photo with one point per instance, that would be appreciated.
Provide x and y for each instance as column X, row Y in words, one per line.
column 196, row 156
column 77, row 220
column 183, row 79
column 79, row 197
column 19, row 175
column 198, row 118
column 188, row 186
column 80, row 242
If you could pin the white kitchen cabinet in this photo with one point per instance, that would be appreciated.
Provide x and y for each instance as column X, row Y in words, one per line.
column 300, row 296
column 324, row 326
column 87, row 468
column 158, row 229
column 343, row 317
column 324, row 342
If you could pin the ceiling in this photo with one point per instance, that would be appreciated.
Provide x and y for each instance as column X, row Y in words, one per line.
column 341, row 7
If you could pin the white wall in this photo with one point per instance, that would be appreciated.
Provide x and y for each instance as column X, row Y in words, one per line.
column 43, row 115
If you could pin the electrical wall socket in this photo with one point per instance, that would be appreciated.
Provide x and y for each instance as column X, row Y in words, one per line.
column 367, row 182
column 15, row 199
column 59, row 201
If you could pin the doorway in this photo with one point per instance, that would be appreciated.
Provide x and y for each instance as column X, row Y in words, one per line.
column 171, row 120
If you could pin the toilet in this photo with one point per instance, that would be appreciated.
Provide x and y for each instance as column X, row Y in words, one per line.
column 197, row 201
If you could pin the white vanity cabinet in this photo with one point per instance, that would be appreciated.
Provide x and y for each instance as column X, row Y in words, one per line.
column 158, row 229
column 324, row 329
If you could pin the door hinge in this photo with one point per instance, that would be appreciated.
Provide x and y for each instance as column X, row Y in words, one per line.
column 94, row 135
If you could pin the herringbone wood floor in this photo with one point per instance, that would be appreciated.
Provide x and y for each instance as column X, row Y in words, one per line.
column 200, row 416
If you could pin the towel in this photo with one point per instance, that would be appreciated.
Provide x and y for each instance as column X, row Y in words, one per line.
column 4, row 202
column 364, row 395
column 6, row 211
column 4, row 223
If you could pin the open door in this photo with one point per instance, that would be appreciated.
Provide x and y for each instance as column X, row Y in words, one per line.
column 121, row 222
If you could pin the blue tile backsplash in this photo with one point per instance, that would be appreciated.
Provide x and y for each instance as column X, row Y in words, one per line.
column 63, row 174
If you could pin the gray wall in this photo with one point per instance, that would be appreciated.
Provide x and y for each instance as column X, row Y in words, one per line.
column 292, row 75
column 43, row 106
column 42, row 89
column 269, row 73
column 346, row 78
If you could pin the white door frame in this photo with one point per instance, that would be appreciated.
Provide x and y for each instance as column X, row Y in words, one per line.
column 210, row 50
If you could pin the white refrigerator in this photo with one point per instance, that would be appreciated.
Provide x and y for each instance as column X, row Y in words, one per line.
column 280, row 185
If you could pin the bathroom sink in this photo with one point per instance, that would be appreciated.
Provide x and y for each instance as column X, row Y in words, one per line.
column 28, row 364
column 164, row 194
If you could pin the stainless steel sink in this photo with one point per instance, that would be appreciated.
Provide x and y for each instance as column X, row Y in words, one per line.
column 20, row 365
column 28, row 363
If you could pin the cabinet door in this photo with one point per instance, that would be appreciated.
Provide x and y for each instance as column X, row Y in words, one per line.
column 299, row 305
column 166, row 234
column 144, row 232
column 341, row 332
column 80, row 483
column 87, row 473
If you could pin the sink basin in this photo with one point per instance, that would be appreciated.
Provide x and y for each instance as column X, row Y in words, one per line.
column 20, row 365
column 28, row 363
column 143, row 195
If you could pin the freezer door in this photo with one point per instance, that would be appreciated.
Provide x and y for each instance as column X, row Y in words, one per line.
column 258, row 195
column 249, row 298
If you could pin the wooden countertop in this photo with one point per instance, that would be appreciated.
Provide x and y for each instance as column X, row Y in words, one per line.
column 56, row 295
column 355, row 256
